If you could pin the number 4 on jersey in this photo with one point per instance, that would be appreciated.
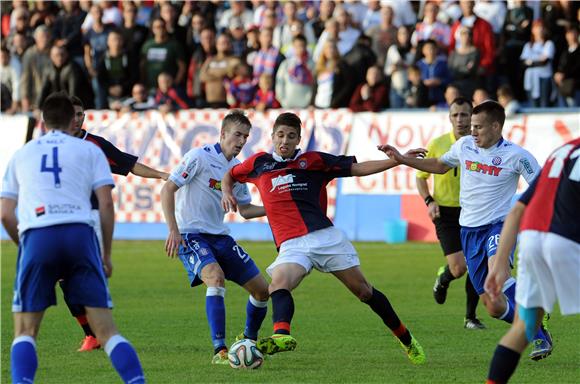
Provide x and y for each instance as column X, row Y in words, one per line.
column 55, row 169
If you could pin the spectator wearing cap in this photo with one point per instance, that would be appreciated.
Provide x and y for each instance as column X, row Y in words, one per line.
column 268, row 58
column 567, row 76
column 372, row 95
column 237, row 9
column 162, row 54
column 332, row 88
column 239, row 41
column 283, row 32
column 66, row 30
column 383, row 35
column 294, row 79
column 34, row 61
column 216, row 70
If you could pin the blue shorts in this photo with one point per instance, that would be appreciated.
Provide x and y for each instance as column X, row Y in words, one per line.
column 479, row 244
column 46, row 255
column 202, row 249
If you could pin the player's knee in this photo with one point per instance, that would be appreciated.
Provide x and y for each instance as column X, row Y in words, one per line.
column 458, row 270
column 364, row 292
column 493, row 309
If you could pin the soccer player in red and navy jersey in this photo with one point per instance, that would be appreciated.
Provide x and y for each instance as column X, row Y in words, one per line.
column 293, row 189
column 549, row 258
column 121, row 163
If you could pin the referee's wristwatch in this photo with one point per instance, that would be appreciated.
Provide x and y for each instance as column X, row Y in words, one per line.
column 429, row 199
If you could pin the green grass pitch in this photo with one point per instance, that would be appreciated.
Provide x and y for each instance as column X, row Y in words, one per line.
column 340, row 340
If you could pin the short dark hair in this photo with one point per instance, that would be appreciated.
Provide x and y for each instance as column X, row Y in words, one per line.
column 235, row 118
column 288, row 119
column 505, row 90
column 301, row 38
column 460, row 101
column 76, row 101
column 58, row 111
column 493, row 109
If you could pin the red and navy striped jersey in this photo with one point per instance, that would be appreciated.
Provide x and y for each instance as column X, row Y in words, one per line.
column 294, row 191
column 120, row 162
column 553, row 198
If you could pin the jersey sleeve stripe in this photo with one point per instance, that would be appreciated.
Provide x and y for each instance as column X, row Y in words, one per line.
column 100, row 183
column 177, row 181
column 9, row 195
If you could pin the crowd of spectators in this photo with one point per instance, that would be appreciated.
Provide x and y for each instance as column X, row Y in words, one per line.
column 365, row 55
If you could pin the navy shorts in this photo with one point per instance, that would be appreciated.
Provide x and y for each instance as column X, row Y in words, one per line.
column 202, row 249
column 46, row 255
column 479, row 244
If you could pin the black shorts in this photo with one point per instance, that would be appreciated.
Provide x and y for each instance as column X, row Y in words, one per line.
column 448, row 229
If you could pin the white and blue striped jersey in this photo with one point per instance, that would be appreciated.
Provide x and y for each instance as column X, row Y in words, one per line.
column 198, row 206
column 52, row 178
column 489, row 178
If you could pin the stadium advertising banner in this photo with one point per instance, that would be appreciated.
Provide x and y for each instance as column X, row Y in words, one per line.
column 538, row 133
column 160, row 141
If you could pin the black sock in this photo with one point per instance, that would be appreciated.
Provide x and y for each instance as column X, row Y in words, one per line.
column 472, row 299
column 446, row 277
column 282, row 310
column 503, row 364
column 382, row 307
column 87, row 329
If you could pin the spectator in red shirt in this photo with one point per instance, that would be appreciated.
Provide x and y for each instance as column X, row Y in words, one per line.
column 371, row 95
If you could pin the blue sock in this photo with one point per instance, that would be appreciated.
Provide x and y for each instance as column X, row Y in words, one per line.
column 510, row 294
column 216, row 315
column 125, row 360
column 23, row 361
column 255, row 314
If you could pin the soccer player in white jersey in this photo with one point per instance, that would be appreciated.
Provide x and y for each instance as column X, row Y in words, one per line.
column 490, row 169
column 191, row 201
column 49, row 181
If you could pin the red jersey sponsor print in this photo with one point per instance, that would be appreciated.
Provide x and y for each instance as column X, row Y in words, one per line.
column 553, row 199
column 475, row 166
column 294, row 191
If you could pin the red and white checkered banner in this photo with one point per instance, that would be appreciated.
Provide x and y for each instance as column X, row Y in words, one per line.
column 538, row 133
column 160, row 141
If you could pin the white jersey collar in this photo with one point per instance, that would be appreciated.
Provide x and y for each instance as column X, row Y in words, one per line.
column 280, row 159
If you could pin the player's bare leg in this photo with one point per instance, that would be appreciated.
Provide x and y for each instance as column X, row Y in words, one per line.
column 355, row 281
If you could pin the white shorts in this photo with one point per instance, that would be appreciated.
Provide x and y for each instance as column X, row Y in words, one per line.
column 548, row 270
column 327, row 250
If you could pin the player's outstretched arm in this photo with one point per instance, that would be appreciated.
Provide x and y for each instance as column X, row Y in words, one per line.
column 375, row 166
column 9, row 219
column 251, row 211
column 423, row 189
column 107, row 216
column 500, row 270
column 431, row 165
column 229, row 202
column 142, row 170
column 174, row 238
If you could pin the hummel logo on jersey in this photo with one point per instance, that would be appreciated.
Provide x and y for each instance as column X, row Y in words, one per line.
column 476, row 166
column 282, row 180
column 215, row 184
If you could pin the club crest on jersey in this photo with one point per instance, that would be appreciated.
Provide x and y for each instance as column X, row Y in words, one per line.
column 476, row 166
column 281, row 180
column 40, row 211
column 302, row 164
column 496, row 160
column 215, row 184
